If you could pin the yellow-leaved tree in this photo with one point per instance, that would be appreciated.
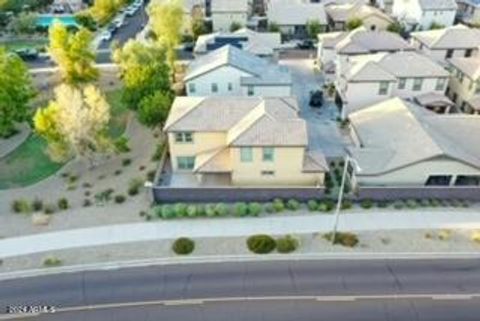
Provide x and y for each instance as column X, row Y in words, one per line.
column 75, row 123
column 166, row 21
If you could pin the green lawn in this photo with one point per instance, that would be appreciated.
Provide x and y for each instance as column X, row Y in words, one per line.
column 29, row 163
column 26, row 165
column 20, row 44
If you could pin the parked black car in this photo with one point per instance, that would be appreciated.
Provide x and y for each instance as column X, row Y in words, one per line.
column 316, row 98
column 306, row 44
column 27, row 54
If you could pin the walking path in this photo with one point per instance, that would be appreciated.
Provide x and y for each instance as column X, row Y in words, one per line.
column 236, row 227
column 9, row 145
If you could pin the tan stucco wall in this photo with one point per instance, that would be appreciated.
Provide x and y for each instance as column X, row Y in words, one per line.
column 417, row 174
column 287, row 165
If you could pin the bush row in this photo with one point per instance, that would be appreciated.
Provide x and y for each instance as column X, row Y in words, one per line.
column 264, row 244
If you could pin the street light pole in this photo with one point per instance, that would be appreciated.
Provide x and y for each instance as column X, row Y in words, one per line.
column 348, row 160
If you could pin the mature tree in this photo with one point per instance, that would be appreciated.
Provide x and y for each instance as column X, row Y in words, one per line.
column 166, row 21
column 73, row 53
column 85, row 19
column 153, row 110
column 436, row 25
column 24, row 23
column 75, row 123
column 16, row 90
column 235, row 26
column 396, row 27
column 198, row 22
column 314, row 28
column 104, row 10
column 354, row 23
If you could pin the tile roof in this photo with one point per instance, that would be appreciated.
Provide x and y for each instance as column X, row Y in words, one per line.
column 469, row 66
column 396, row 133
column 296, row 14
column 214, row 161
column 345, row 12
column 362, row 41
column 314, row 162
column 260, row 69
column 438, row 4
column 247, row 121
column 229, row 6
column 458, row 36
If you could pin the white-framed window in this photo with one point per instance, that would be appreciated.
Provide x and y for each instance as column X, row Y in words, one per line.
column 402, row 82
column 230, row 86
column 214, row 87
column 186, row 162
column 191, row 87
column 417, row 84
column 440, row 86
column 268, row 154
column 184, row 137
column 383, row 88
column 250, row 90
column 246, row 154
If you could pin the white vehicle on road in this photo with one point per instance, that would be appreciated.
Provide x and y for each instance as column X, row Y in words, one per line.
column 119, row 21
column 106, row 35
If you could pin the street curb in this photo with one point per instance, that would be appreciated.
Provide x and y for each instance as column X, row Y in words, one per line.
column 236, row 258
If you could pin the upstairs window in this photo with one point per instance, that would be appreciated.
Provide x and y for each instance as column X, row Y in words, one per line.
column 184, row 137
column 417, row 84
column 383, row 88
column 268, row 154
column 214, row 88
column 440, row 86
column 246, row 154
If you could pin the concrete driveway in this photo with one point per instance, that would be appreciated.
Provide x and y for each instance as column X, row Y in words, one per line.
column 323, row 131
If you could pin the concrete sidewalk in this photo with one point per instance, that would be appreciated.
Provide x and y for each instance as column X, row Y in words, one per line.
column 237, row 227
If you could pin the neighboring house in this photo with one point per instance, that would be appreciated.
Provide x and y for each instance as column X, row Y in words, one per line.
column 257, row 43
column 469, row 11
column 372, row 18
column 400, row 144
column 292, row 18
column 242, row 141
column 464, row 87
column 373, row 78
column 358, row 42
column 226, row 12
column 230, row 71
column 423, row 14
column 442, row 44
column 326, row 53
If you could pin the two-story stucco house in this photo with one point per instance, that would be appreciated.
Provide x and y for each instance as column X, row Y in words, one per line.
column 335, row 49
column 264, row 44
column 464, row 87
column 442, row 44
column 226, row 12
column 230, row 71
column 292, row 18
column 373, row 78
column 398, row 143
column 372, row 18
column 469, row 11
column 242, row 141
column 423, row 14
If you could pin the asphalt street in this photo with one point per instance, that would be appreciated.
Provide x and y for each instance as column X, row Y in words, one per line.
column 308, row 290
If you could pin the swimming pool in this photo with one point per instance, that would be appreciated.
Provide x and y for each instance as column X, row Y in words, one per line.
column 47, row 20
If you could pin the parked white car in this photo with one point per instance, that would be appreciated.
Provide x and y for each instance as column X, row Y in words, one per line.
column 119, row 21
column 106, row 35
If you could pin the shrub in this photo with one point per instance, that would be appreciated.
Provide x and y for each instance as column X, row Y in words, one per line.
column 254, row 209
column 278, row 205
column 366, row 204
column 49, row 208
column 241, row 209
column 121, row 145
column 151, row 175
column 293, row 205
column 120, row 199
column 326, row 205
column 210, row 210
column 435, row 203
column 126, row 162
column 312, row 205
column 424, row 202
column 134, row 186
column 87, row 203
column 261, row 244
column 191, row 211
column 21, row 206
column 63, row 204
column 167, row 212
column 157, row 155
column 201, row 210
column 398, row 205
column 52, row 261
column 181, row 210
column 382, row 204
column 411, row 203
column 37, row 205
column 183, row 246
column 269, row 208
column 117, row 172
column 347, row 204
column 287, row 244
column 221, row 209
column 343, row 238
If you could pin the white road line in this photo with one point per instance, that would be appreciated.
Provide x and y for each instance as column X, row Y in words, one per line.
column 187, row 302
